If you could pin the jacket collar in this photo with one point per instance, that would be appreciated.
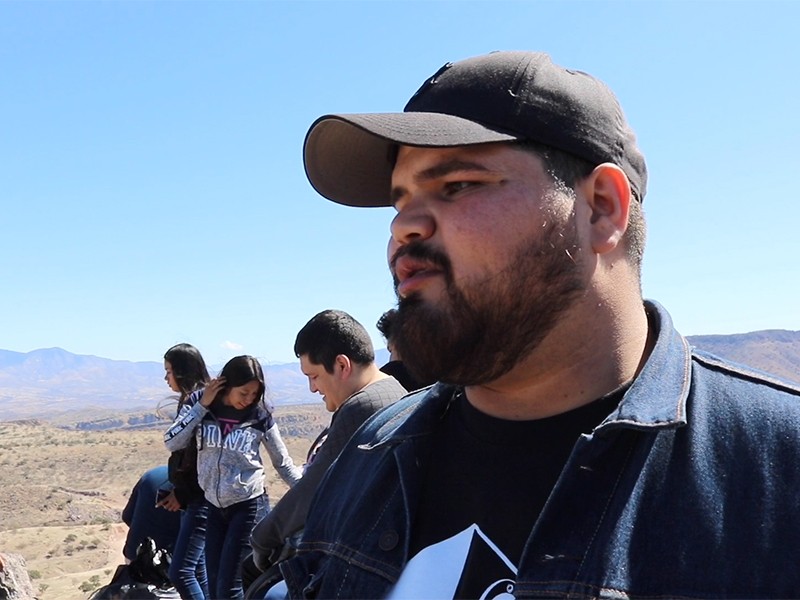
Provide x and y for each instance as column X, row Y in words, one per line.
column 657, row 397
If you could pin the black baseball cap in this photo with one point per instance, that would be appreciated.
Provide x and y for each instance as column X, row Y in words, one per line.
column 497, row 97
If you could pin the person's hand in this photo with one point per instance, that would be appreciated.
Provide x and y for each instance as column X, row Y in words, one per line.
column 170, row 502
column 211, row 391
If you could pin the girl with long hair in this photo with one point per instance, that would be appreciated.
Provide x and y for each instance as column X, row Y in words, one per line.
column 185, row 373
column 229, row 420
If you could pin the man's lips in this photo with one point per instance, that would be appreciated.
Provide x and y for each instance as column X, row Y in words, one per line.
column 411, row 273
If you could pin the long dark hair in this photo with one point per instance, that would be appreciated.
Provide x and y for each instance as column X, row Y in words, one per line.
column 188, row 368
column 241, row 370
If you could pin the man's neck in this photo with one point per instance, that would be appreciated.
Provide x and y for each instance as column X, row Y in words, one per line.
column 366, row 375
column 569, row 369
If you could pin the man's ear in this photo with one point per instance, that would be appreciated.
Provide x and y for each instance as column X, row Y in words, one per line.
column 345, row 365
column 608, row 194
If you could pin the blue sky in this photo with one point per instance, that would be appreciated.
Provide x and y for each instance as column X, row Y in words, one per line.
column 153, row 192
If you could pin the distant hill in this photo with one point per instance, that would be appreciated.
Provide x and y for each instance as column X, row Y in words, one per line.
column 774, row 350
column 55, row 385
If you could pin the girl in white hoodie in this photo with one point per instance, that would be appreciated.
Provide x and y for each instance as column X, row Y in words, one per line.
column 229, row 421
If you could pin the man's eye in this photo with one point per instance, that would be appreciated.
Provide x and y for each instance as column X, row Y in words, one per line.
column 454, row 187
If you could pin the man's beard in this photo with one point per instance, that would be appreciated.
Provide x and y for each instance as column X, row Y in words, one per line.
column 481, row 330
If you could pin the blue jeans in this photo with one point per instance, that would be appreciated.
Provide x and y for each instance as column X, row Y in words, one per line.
column 228, row 543
column 188, row 568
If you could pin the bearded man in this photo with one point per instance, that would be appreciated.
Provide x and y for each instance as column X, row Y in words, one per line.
column 576, row 446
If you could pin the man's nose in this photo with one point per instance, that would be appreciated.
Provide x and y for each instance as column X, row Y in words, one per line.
column 413, row 222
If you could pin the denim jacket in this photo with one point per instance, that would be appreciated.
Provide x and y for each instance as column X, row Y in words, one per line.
column 689, row 489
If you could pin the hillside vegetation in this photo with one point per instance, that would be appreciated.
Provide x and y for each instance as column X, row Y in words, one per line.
column 64, row 489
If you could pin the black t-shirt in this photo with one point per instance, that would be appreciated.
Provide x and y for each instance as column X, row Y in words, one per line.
column 494, row 475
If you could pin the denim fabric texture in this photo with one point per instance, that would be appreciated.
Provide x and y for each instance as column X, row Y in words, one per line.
column 144, row 519
column 689, row 489
column 228, row 543
column 188, row 568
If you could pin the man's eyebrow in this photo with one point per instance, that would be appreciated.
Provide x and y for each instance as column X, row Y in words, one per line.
column 439, row 170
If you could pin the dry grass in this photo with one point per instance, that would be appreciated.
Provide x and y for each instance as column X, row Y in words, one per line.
column 63, row 492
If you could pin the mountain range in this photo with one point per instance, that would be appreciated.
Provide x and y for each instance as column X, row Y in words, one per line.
column 55, row 385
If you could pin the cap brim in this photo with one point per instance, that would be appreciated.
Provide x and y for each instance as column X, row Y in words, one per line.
column 349, row 158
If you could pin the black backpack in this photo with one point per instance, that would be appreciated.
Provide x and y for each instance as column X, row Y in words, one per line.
column 145, row 578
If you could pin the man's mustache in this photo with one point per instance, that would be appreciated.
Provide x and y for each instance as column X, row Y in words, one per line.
column 424, row 253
